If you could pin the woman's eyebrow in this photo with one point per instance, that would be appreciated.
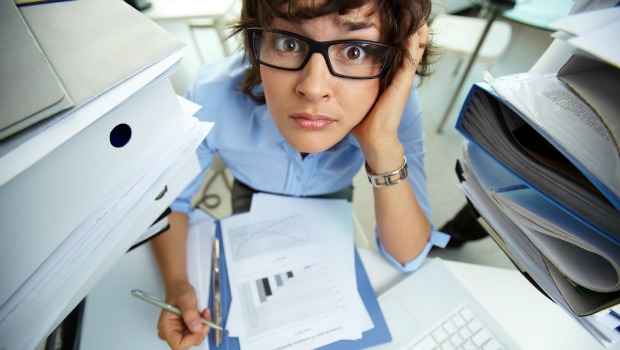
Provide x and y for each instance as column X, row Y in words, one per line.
column 354, row 25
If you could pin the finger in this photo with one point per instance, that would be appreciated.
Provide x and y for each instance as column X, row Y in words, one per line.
column 178, row 336
column 422, row 35
column 192, row 339
column 416, row 44
column 206, row 314
column 395, row 96
column 389, row 107
column 170, row 329
column 402, row 82
column 404, row 77
column 190, row 315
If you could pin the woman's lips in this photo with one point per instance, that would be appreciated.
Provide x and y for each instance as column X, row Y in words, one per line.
column 312, row 121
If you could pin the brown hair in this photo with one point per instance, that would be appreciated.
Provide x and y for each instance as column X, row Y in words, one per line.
column 399, row 20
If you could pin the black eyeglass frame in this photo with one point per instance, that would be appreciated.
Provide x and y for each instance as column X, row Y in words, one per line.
column 322, row 48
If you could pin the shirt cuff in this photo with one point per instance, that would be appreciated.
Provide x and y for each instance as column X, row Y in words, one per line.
column 437, row 238
column 181, row 205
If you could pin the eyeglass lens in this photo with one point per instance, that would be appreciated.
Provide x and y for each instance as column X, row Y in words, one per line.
column 351, row 58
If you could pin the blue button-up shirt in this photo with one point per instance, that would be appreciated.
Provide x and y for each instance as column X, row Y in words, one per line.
column 257, row 154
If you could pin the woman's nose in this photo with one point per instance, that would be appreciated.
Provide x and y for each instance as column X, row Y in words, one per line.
column 315, row 78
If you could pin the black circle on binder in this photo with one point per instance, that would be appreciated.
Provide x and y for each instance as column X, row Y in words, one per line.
column 120, row 135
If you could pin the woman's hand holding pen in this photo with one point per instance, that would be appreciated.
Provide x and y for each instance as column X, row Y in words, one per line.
column 188, row 330
column 180, row 332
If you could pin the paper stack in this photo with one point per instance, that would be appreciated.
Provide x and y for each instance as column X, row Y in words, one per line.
column 82, row 182
column 292, row 275
column 542, row 167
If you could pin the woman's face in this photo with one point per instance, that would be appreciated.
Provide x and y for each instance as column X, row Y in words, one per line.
column 312, row 108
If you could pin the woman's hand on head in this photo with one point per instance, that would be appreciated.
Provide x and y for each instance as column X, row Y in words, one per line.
column 378, row 132
column 183, row 332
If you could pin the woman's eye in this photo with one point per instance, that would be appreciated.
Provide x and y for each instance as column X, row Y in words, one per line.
column 287, row 44
column 354, row 53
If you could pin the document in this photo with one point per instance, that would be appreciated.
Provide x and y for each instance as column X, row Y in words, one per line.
column 582, row 97
column 580, row 93
column 542, row 194
column 541, row 165
column 575, row 249
column 289, row 284
column 537, row 150
column 591, row 32
column 199, row 252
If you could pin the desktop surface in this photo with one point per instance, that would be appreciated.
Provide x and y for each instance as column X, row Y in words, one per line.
column 535, row 13
column 533, row 321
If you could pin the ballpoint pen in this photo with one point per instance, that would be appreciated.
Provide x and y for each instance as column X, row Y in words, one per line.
column 171, row 308
column 217, row 296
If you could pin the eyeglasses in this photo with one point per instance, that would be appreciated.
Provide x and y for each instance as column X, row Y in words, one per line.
column 354, row 59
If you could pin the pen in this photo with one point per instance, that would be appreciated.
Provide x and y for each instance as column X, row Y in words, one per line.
column 171, row 308
column 217, row 296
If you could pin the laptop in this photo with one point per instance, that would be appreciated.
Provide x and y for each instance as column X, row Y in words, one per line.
column 431, row 309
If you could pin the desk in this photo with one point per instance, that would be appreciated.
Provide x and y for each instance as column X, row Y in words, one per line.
column 111, row 301
column 533, row 321
column 535, row 13
column 539, row 13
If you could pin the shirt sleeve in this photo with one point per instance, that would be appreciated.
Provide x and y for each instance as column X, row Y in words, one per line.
column 411, row 134
column 437, row 238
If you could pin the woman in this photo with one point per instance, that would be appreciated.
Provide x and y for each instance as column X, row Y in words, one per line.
column 325, row 87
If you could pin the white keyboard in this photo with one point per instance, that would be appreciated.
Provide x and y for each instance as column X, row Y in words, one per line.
column 461, row 330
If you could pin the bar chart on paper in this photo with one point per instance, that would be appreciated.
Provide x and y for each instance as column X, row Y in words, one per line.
column 269, row 236
column 288, row 297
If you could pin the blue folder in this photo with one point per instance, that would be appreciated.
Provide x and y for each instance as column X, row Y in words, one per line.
column 488, row 121
column 378, row 335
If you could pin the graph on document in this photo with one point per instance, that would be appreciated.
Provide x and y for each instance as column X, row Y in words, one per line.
column 305, row 292
column 269, row 236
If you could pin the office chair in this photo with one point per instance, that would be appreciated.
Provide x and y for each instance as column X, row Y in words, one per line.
column 207, row 199
column 460, row 36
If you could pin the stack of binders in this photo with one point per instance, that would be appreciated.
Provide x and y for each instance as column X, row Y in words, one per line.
column 94, row 145
column 541, row 165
